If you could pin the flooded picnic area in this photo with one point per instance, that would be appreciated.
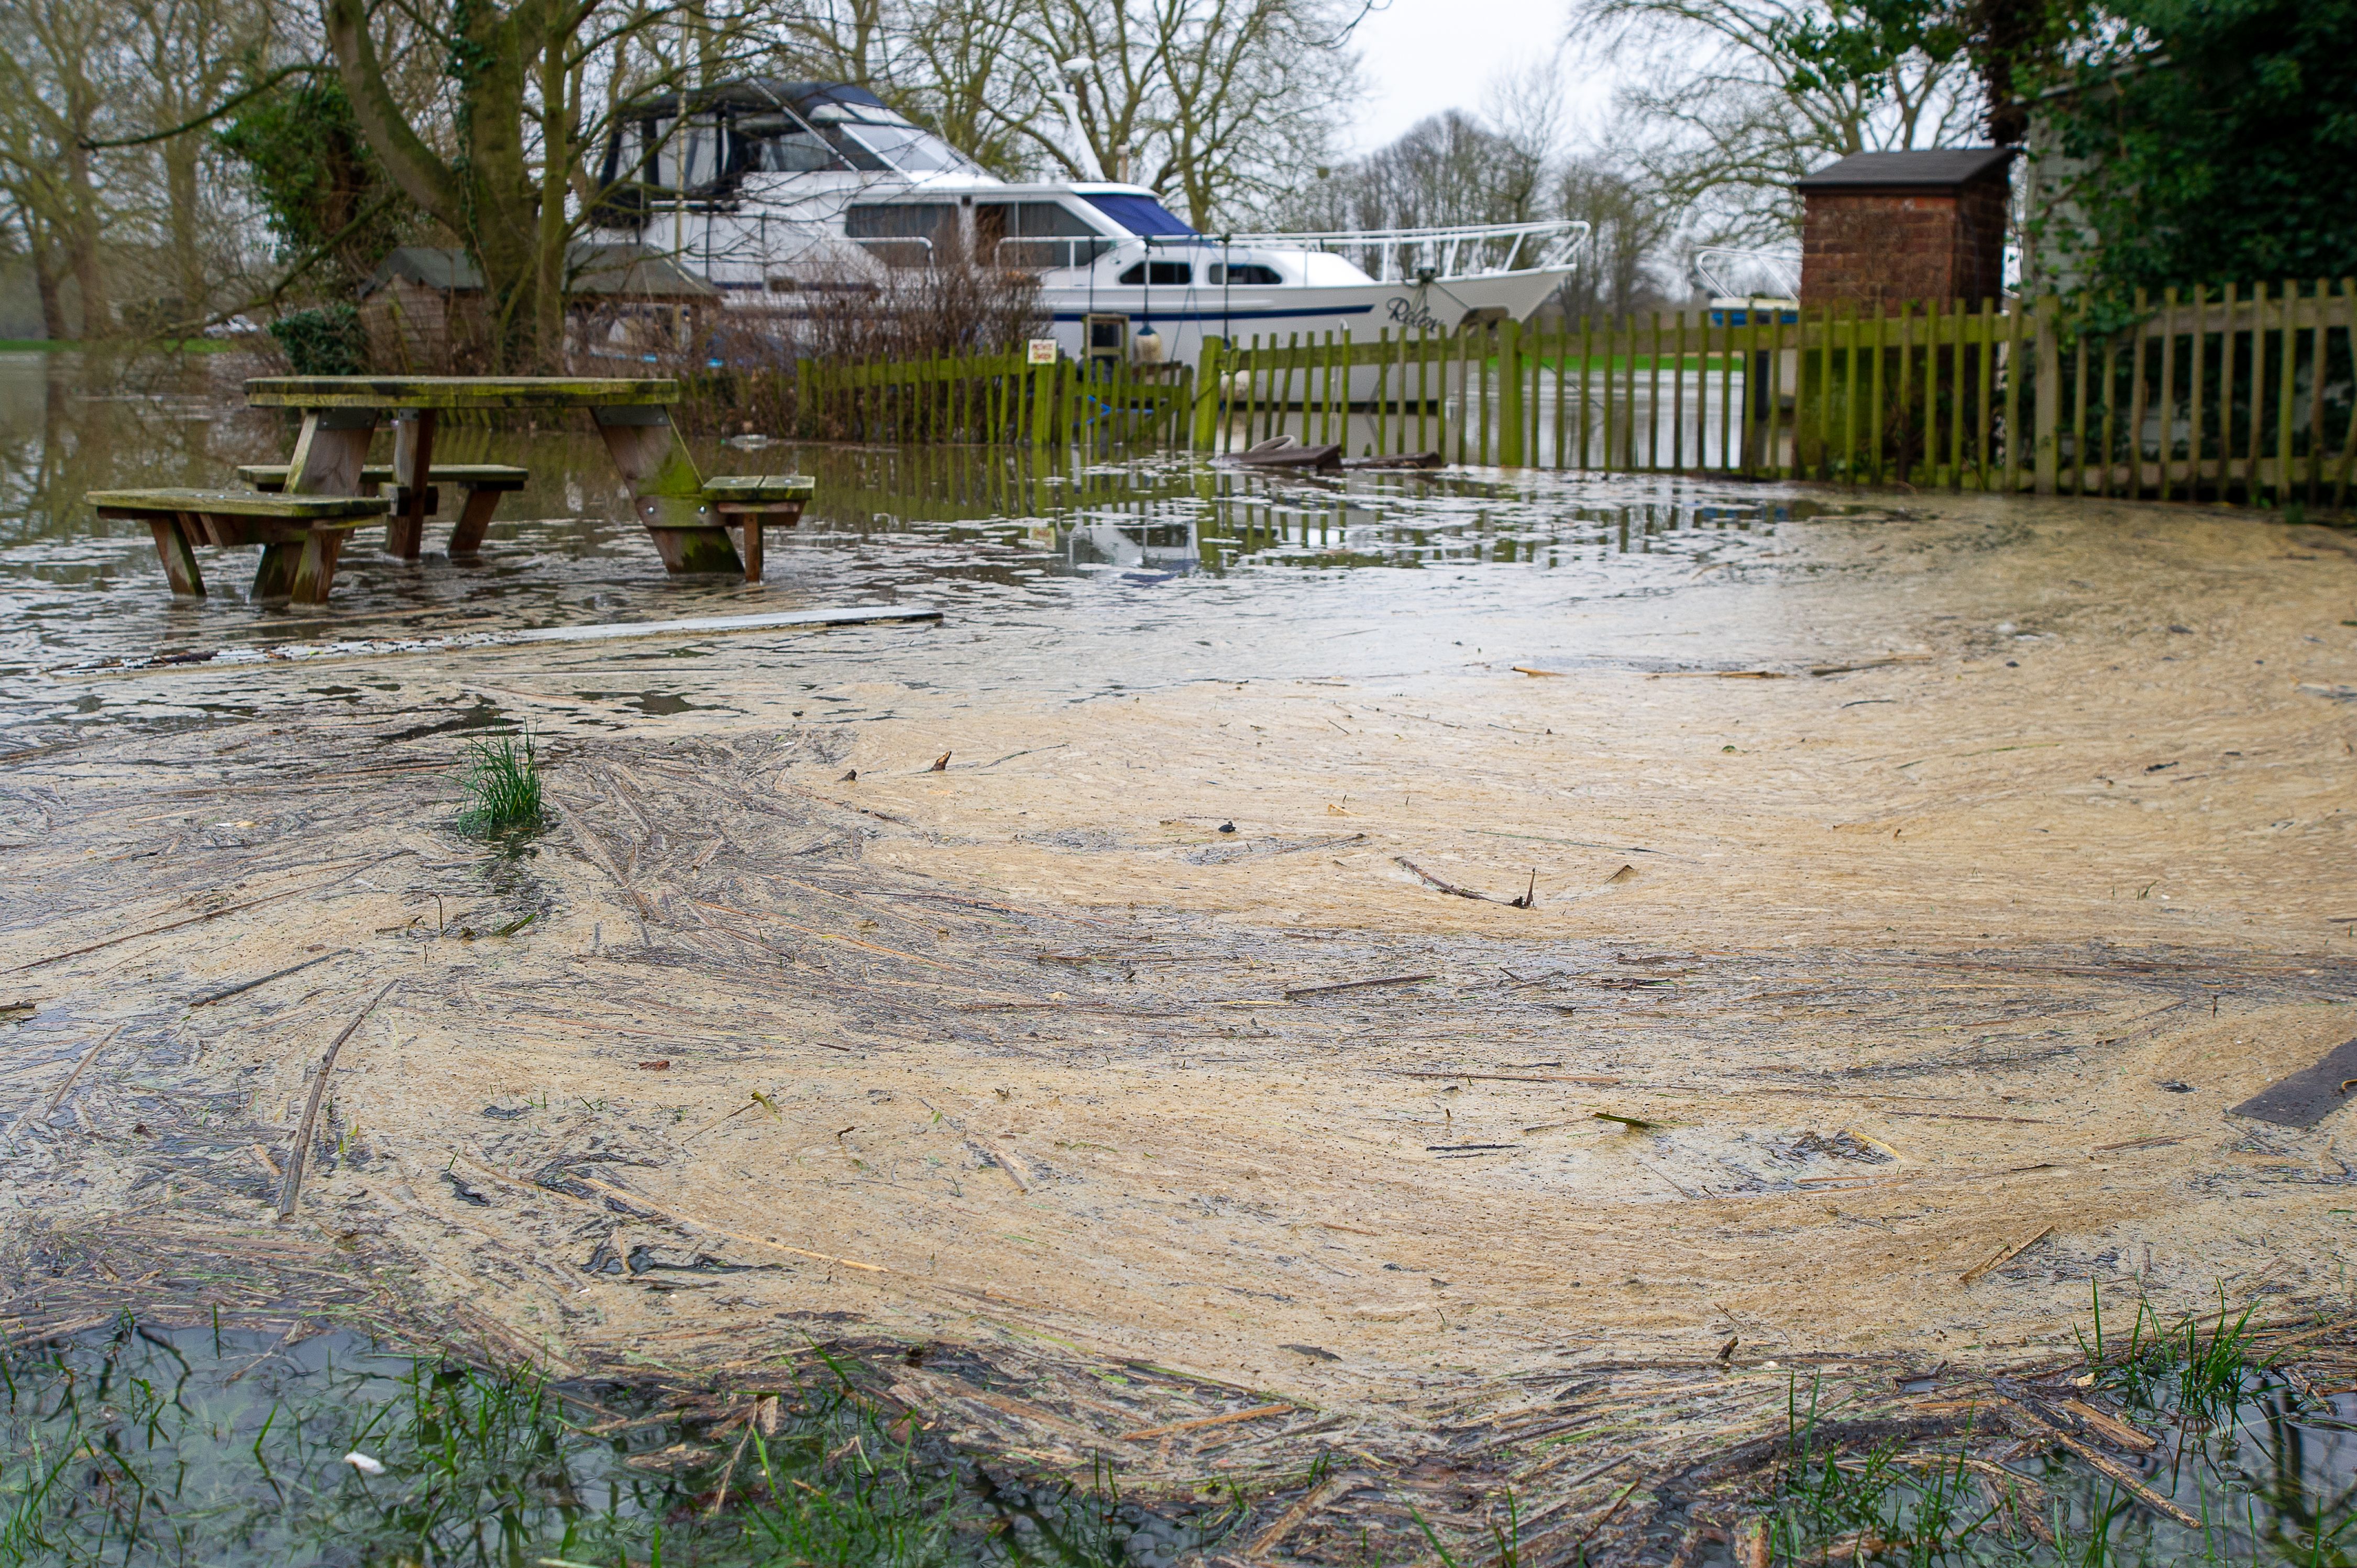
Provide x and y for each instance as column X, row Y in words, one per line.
column 1492, row 978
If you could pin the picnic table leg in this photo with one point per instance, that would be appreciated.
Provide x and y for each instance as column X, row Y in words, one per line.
column 412, row 464
column 330, row 452
column 274, row 578
column 753, row 521
column 466, row 538
column 667, row 492
column 179, row 559
column 315, row 565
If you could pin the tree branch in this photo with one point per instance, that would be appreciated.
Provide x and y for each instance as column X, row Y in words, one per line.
column 412, row 164
column 209, row 116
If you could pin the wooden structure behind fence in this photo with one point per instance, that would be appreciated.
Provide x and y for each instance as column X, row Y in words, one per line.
column 2212, row 394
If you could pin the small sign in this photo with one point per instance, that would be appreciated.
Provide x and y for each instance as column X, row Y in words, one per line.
column 1043, row 350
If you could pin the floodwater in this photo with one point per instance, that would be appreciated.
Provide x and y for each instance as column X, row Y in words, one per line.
column 1485, row 977
column 1104, row 572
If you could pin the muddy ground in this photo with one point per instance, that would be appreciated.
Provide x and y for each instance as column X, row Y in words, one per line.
column 1901, row 912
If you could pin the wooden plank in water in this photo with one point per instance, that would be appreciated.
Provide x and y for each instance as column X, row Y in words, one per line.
column 2308, row 1096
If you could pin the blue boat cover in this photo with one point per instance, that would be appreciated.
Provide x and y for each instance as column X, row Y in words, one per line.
column 1142, row 215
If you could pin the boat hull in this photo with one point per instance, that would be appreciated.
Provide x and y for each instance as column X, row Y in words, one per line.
column 1183, row 318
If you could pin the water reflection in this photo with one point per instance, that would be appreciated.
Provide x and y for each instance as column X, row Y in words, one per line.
column 989, row 531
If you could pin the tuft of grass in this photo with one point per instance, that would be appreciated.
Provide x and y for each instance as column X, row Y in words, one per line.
column 2215, row 1375
column 2210, row 1374
column 503, row 783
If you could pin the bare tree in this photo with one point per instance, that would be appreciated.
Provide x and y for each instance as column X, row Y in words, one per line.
column 184, row 56
column 1217, row 105
column 55, row 99
column 498, row 154
column 1448, row 170
column 1632, row 239
column 1735, row 114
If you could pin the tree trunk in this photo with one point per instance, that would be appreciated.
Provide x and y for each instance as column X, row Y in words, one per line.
column 558, row 99
column 180, row 169
column 487, row 195
column 501, row 225
column 45, row 279
column 81, row 233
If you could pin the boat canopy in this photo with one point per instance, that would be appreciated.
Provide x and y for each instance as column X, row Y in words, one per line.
column 1141, row 215
column 703, row 144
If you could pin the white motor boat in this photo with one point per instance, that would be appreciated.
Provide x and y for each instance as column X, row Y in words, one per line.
column 1750, row 285
column 797, row 198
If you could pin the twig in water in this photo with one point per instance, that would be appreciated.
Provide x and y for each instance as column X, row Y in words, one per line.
column 721, row 1497
column 2003, row 1255
column 1354, row 985
column 1437, row 882
column 297, row 1156
column 1145, row 1432
column 226, row 992
column 208, row 915
column 57, row 1098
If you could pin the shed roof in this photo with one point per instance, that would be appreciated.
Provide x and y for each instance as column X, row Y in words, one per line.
column 1939, row 170
column 599, row 271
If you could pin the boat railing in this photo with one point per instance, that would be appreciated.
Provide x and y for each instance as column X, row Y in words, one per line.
column 1733, row 274
column 897, row 249
column 1045, row 253
column 1470, row 249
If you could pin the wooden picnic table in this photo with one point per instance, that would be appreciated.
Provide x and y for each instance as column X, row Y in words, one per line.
column 687, row 519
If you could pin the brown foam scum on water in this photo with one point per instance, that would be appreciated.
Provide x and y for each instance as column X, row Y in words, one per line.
column 1001, row 1055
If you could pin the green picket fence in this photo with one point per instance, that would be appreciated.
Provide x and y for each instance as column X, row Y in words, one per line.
column 2215, row 393
column 997, row 398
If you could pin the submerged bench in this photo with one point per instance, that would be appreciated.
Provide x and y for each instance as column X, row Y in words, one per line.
column 753, row 501
column 301, row 536
column 484, row 483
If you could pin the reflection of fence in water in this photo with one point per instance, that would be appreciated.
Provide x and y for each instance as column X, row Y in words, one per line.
column 1160, row 518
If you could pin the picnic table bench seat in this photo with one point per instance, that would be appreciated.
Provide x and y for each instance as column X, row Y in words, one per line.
column 301, row 536
column 753, row 501
column 484, row 484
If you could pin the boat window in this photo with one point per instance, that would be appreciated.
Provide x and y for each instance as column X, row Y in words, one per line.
column 1139, row 215
column 1038, row 220
column 903, row 234
column 898, row 220
column 1244, row 274
column 680, row 158
column 774, row 144
column 1036, row 235
column 910, row 150
column 1160, row 274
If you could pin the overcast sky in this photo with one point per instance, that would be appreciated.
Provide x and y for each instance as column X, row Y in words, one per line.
column 1421, row 57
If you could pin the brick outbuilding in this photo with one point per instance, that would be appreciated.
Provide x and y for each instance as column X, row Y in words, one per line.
column 1879, row 228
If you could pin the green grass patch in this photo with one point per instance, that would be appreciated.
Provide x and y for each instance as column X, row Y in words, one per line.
column 502, row 785
column 2260, row 1466
column 139, row 1445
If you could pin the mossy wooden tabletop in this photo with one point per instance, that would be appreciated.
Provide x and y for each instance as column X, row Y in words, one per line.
column 457, row 392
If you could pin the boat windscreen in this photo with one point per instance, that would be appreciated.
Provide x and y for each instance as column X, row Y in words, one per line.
column 1141, row 215
column 912, row 151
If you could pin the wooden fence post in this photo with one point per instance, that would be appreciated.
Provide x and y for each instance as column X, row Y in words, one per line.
column 2049, row 392
column 1043, row 407
column 1211, row 374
